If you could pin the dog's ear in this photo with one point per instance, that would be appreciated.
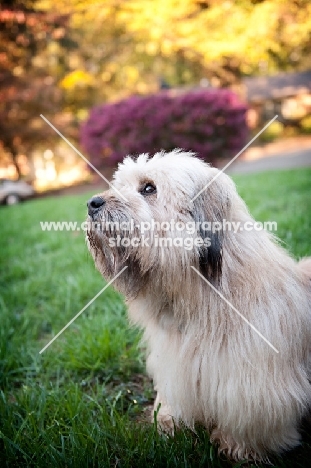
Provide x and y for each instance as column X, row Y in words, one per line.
column 209, row 211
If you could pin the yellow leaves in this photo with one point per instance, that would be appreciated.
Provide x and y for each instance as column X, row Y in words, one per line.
column 128, row 45
column 131, row 73
column 109, row 70
column 152, row 48
column 209, row 30
column 77, row 79
column 106, row 75
column 167, row 47
column 223, row 28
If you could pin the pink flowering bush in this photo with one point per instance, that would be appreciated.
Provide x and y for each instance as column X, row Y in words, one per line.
column 208, row 122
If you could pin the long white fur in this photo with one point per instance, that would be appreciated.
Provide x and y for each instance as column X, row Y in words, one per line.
column 208, row 365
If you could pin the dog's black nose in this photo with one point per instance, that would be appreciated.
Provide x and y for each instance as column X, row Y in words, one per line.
column 94, row 205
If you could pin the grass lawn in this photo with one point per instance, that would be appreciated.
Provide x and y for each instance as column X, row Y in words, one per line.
column 82, row 403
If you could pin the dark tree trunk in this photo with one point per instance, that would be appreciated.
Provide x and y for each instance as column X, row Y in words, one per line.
column 13, row 153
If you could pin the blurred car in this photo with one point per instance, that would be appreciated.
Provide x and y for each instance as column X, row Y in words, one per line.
column 13, row 191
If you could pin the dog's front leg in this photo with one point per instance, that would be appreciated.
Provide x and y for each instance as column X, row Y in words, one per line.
column 163, row 414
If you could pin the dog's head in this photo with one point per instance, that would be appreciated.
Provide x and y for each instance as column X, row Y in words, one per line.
column 157, row 219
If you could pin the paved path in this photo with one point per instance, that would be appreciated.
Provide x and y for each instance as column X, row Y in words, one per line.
column 285, row 160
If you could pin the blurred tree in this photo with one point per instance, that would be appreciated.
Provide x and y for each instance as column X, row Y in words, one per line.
column 128, row 47
column 112, row 60
column 225, row 39
column 61, row 57
column 28, row 87
column 106, row 65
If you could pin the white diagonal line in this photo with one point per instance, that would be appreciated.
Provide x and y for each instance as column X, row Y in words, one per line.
column 81, row 155
column 235, row 157
column 82, row 310
column 236, row 310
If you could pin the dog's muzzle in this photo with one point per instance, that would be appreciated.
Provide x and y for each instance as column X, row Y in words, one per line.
column 94, row 205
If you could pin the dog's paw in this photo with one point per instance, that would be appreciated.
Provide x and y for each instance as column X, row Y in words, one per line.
column 163, row 415
column 165, row 423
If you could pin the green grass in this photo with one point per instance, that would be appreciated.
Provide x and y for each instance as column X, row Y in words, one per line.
column 82, row 403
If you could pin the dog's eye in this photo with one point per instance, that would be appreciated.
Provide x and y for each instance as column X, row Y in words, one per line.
column 148, row 189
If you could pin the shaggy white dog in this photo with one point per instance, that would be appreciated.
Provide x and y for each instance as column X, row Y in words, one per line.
column 228, row 340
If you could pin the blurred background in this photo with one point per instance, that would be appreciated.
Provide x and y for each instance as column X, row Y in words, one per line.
column 126, row 76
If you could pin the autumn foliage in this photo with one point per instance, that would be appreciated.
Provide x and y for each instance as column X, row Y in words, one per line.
column 27, row 88
column 209, row 122
column 59, row 58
